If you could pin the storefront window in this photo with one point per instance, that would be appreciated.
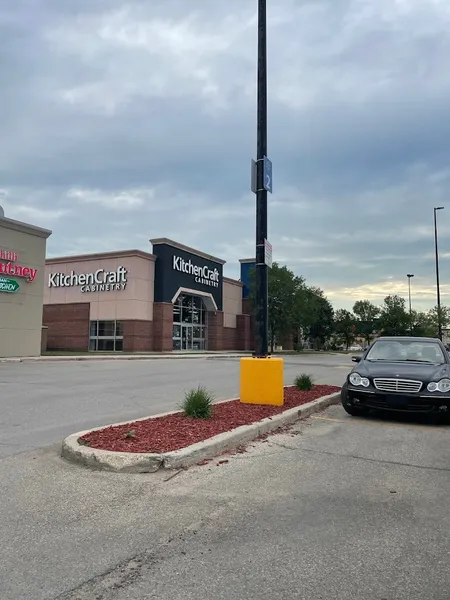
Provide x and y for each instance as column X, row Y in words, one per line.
column 176, row 313
column 105, row 345
column 106, row 328
column 196, row 315
column 189, row 328
column 106, row 336
column 197, row 332
column 197, row 302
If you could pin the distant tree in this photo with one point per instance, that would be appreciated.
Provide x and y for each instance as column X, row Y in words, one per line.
column 421, row 324
column 322, row 315
column 366, row 318
column 344, row 326
column 394, row 320
column 295, row 306
column 433, row 316
column 305, row 308
column 283, row 286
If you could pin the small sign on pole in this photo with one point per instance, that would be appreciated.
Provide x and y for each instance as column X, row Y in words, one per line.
column 267, row 170
column 268, row 253
column 254, row 179
column 261, row 168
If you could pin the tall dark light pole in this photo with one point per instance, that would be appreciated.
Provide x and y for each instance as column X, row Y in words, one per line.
column 261, row 269
column 409, row 275
column 438, row 289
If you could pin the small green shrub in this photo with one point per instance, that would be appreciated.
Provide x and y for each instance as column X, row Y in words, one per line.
column 198, row 403
column 303, row 382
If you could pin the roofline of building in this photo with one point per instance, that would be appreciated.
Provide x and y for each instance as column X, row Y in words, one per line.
column 233, row 281
column 247, row 260
column 100, row 256
column 182, row 247
column 22, row 227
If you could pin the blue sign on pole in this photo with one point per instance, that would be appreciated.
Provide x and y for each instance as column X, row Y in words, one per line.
column 267, row 169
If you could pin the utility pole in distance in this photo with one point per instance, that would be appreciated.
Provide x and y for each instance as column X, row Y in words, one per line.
column 436, row 256
column 409, row 275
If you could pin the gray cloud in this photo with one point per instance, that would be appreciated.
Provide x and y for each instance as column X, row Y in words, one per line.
column 123, row 121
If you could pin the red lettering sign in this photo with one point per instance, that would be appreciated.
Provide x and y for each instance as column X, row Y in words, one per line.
column 8, row 255
column 8, row 268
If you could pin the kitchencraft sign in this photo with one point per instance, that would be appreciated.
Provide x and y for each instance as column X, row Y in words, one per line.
column 202, row 274
column 176, row 268
column 99, row 281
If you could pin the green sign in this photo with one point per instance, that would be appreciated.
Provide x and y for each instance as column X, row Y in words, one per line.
column 8, row 285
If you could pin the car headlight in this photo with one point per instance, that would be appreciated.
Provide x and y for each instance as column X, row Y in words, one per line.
column 356, row 379
column 439, row 386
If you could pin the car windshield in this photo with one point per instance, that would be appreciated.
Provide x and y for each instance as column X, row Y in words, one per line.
column 404, row 351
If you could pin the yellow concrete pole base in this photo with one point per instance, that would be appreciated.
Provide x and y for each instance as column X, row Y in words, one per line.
column 262, row 381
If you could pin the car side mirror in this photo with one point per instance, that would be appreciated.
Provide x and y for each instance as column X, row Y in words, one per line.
column 356, row 358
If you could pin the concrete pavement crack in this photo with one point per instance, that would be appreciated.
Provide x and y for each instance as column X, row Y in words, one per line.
column 356, row 457
column 110, row 582
column 287, row 448
column 106, row 585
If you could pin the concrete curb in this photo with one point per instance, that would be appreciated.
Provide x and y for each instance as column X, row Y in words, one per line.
column 131, row 462
column 121, row 357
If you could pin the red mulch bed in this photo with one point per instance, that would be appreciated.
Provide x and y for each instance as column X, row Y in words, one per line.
column 172, row 432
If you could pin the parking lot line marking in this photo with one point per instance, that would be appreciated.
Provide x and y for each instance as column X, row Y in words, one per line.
column 383, row 424
column 342, row 367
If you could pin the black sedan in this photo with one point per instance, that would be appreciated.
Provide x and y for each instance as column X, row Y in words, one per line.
column 399, row 374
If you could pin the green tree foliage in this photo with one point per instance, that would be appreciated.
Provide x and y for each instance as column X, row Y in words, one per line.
column 301, row 310
column 433, row 316
column 294, row 306
column 366, row 318
column 345, row 326
column 283, row 285
column 421, row 324
column 394, row 320
column 322, row 324
column 305, row 308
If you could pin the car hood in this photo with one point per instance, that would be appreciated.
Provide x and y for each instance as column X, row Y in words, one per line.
column 403, row 370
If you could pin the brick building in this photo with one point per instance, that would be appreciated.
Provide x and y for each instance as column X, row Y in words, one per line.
column 174, row 298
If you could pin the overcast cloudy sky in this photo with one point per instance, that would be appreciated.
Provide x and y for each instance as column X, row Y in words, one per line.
column 122, row 121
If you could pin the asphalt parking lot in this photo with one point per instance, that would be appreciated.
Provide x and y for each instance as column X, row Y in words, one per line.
column 41, row 402
column 335, row 508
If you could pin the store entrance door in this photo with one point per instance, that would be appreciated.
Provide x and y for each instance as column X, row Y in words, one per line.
column 190, row 331
column 186, row 337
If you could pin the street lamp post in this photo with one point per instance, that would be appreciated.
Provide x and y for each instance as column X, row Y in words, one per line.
column 261, row 268
column 409, row 275
column 436, row 254
column 261, row 376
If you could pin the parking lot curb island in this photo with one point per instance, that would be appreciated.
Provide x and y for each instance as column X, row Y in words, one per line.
column 133, row 462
